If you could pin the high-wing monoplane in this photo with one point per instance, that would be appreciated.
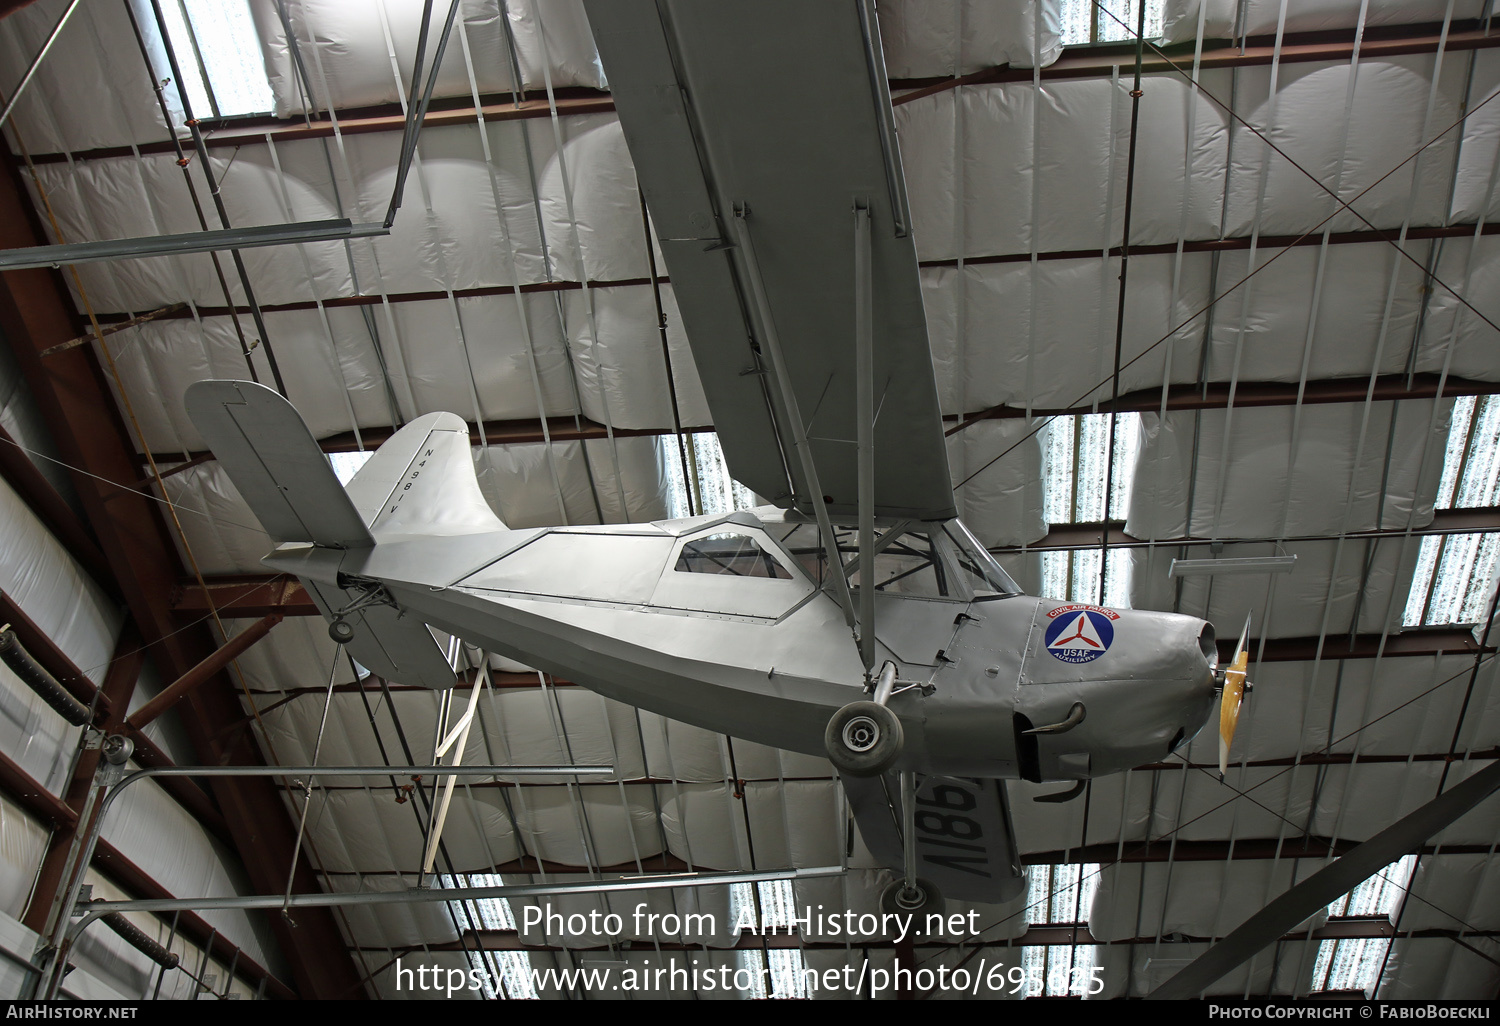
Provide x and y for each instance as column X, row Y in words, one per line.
column 853, row 615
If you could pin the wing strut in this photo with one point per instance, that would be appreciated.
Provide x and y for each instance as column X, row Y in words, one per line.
column 789, row 401
column 864, row 349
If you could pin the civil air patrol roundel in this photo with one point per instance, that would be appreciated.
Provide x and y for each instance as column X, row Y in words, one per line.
column 1080, row 633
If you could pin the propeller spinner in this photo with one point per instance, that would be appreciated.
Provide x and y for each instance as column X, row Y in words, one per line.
column 1232, row 697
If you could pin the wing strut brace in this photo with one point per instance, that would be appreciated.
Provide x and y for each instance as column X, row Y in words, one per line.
column 772, row 345
column 1328, row 883
column 864, row 362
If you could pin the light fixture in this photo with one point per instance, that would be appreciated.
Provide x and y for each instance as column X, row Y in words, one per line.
column 1245, row 565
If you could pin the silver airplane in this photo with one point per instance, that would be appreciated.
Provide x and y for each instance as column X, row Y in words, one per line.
column 854, row 616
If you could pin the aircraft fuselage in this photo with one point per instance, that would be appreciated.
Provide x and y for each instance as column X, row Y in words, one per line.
column 720, row 622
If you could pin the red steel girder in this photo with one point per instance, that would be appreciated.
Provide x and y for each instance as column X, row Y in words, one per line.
column 40, row 803
column 1216, row 396
column 147, row 753
column 80, row 411
column 119, row 684
column 212, row 664
column 1295, row 48
column 1098, row 61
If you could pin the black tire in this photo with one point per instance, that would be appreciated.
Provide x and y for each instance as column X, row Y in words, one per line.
column 863, row 739
column 928, row 901
column 341, row 631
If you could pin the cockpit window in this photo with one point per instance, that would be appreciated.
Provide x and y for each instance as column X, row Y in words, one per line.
column 905, row 561
column 926, row 560
column 729, row 553
column 986, row 578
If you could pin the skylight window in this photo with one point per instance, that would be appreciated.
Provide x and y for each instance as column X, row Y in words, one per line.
column 513, row 968
column 1073, row 473
column 1355, row 963
column 1059, row 895
column 706, row 487
column 783, row 974
column 1451, row 583
column 1084, row 22
column 347, row 464
column 219, row 54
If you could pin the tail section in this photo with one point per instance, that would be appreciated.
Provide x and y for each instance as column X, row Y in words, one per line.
column 420, row 483
column 273, row 460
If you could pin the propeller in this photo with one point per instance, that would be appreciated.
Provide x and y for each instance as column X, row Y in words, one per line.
column 1232, row 697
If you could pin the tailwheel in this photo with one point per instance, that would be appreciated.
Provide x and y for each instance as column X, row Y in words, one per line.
column 918, row 902
column 863, row 739
column 341, row 631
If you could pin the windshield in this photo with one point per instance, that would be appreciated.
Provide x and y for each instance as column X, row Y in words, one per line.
column 989, row 580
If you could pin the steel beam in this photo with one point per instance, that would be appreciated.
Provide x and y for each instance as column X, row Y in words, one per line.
column 80, row 411
column 497, row 432
column 119, row 684
column 1324, row 886
column 40, row 803
column 199, row 675
column 188, row 242
column 1098, row 61
column 1050, row 935
column 424, row 895
column 1337, row 46
column 1063, row 537
column 147, row 752
column 1180, row 398
column 1216, row 396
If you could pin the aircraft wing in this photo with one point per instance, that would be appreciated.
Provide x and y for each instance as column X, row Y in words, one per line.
column 966, row 845
column 781, row 109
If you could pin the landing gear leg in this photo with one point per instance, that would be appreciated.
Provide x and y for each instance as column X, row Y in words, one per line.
column 911, row 895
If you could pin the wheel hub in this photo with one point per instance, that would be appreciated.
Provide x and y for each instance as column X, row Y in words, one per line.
column 909, row 899
column 861, row 734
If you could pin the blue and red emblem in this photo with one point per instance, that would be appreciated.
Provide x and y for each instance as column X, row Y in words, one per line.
column 1080, row 633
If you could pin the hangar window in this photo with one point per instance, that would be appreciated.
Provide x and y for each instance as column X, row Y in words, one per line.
column 504, row 974
column 219, row 52
column 1059, row 895
column 347, row 464
column 1355, row 963
column 778, row 972
column 1451, row 583
column 1084, row 22
column 698, row 480
column 1073, row 476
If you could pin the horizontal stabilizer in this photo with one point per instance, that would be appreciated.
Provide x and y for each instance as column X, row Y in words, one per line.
column 966, row 845
column 273, row 460
column 388, row 642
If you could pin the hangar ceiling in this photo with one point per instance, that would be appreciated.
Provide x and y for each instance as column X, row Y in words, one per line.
column 1308, row 360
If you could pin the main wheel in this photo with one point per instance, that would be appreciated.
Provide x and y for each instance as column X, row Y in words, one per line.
column 863, row 739
column 341, row 631
column 926, row 900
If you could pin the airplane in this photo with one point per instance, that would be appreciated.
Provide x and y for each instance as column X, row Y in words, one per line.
column 853, row 615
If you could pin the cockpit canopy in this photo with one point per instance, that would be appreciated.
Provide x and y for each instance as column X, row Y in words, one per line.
column 939, row 559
